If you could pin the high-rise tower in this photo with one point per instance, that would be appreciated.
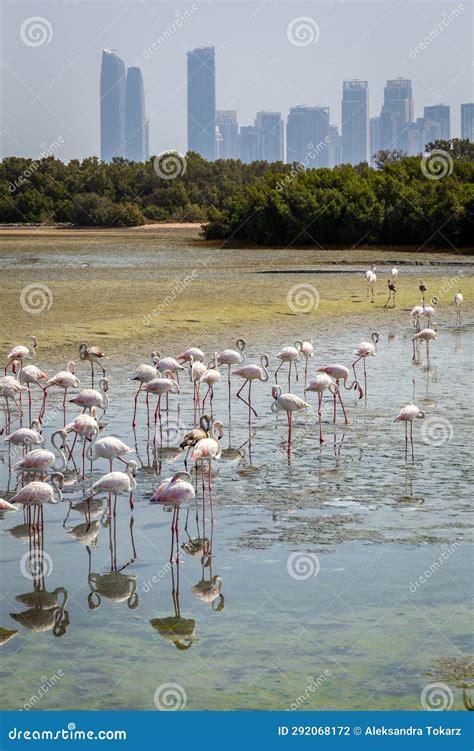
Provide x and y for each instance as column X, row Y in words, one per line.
column 135, row 120
column 112, row 106
column 202, row 102
column 355, row 122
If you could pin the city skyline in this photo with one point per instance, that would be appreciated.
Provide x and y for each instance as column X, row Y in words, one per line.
column 259, row 66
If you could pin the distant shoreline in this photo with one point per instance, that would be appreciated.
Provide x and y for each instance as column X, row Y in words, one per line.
column 52, row 229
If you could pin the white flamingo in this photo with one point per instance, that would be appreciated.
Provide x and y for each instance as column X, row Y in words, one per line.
column 9, row 388
column 291, row 355
column 458, row 300
column 252, row 373
column 20, row 353
column 192, row 352
column 426, row 335
column 341, row 373
column 407, row 415
column 307, row 350
column 319, row 385
column 38, row 493
column 167, row 363
column 209, row 449
column 210, row 377
column 115, row 483
column 159, row 387
column 363, row 351
column 288, row 403
column 108, row 447
column 92, row 355
column 26, row 436
column 89, row 398
column 371, row 278
column 39, row 461
column 143, row 374
column 32, row 375
column 232, row 357
column 65, row 379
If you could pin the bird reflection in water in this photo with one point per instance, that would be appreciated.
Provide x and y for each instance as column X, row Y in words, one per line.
column 46, row 610
column 174, row 628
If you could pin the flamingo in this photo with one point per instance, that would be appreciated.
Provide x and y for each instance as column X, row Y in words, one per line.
column 371, row 278
column 21, row 353
column 196, row 370
column 427, row 335
column 429, row 310
column 143, row 374
column 288, row 403
column 65, row 379
column 307, row 350
column 9, row 388
column 108, row 447
column 115, row 483
column 26, row 436
column 174, row 491
column 392, row 291
column 290, row 355
column 167, row 363
column 394, row 272
column 30, row 374
column 341, row 373
column 415, row 314
column 210, row 378
column 89, row 398
column 38, row 493
column 321, row 383
column 84, row 425
column 458, row 300
column 209, row 449
column 407, row 415
column 232, row 357
column 192, row 352
column 159, row 387
column 195, row 435
column 363, row 351
column 422, row 287
column 252, row 373
column 6, row 506
column 92, row 355
column 39, row 461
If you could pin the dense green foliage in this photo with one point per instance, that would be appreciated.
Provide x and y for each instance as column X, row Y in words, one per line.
column 404, row 202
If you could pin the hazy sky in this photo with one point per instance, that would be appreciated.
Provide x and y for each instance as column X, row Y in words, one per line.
column 51, row 90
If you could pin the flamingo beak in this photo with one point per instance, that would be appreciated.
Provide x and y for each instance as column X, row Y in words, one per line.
column 361, row 392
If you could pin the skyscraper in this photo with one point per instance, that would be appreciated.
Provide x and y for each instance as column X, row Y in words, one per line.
column 270, row 133
column 397, row 112
column 226, row 122
column 335, row 146
column 202, row 102
column 375, row 137
column 437, row 122
column 355, row 122
column 416, row 137
column 307, row 136
column 135, row 120
column 249, row 143
column 467, row 121
column 112, row 106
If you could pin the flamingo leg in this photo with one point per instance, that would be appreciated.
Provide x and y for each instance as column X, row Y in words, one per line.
column 209, row 486
column 320, row 398
column 406, row 441
column 334, row 400
column 277, row 371
column 289, row 375
column 343, row 408
column 289, row 414
column 411, row 441
column 242, row 398
column 134, row 418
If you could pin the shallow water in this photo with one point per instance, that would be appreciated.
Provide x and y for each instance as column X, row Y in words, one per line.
column 352, row 628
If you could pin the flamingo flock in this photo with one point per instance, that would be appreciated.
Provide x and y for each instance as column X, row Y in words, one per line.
column 42, row 470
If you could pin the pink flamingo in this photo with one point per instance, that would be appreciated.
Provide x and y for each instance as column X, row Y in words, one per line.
column 174, row 491
column 39, row 461
column 30, row 374
column 371, row 278
column 192, row 352
column 427, row 335
column 288, row 403
column 39, row 493
column 20, row 354
column 458, row 301
column 7, row 506
column 143, row 374
column 159, row 387
column 415, row 314
column 108, row 447
column 88, row 398
column 196, row 370
column 319, row 385
column 307, row 351
column 252, row 373
column 363, row 351
column 115, row 483
column 26, row 437
column 65, row 379
column 341, row 373
column 407, row 415
column 290, row 355
column 208, row 449
column 167, row 363
column 232, row 357
column 92, row 355
column 83, row 425
column 9, row 388
column 210, row 377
